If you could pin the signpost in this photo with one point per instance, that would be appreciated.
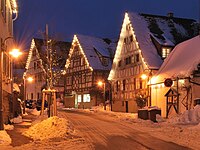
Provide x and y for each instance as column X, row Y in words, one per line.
column 168, row 82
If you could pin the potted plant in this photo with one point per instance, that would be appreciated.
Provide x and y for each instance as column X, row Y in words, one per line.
column 141, row 102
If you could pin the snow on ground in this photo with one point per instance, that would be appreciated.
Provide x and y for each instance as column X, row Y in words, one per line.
column 16, row 120
column 191, row 116
column 4, row 138
column 58, row 133
column 8, row 127
column 49, row 128
column 183, row 129
column 33, row 111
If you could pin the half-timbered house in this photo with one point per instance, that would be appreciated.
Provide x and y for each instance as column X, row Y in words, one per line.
column 9, row 13
column 89, row 61
column 145, row 41
column 37, row 65
column 176, row 85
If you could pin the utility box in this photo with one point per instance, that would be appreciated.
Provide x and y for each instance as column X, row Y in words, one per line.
column 153, row 113
column 143, row 114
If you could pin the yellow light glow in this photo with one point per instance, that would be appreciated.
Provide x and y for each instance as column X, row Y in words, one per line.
column 182, row 81
column 15, row 53
column 100, row 83
column 144, row 76
column 14, row 6
column 153, row 80
column 30, row 79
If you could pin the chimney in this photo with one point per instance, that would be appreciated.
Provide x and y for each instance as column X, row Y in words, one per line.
column 170, row 14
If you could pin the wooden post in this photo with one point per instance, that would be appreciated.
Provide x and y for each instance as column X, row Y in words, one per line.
column 49, row 95
column 54, row 104
column 42, row 105
column 1, row 91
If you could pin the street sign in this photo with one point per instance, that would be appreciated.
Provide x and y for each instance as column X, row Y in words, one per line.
column 168, row 82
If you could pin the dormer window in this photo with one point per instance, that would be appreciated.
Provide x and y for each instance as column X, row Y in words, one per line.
column 104, row 61
column 165, row 52
column 128, row 60
column 120, row 63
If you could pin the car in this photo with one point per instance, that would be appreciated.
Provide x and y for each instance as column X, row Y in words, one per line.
column 39, row 104
column 31, row 104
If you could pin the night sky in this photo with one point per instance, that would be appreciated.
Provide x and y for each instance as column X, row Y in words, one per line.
column 100, row 18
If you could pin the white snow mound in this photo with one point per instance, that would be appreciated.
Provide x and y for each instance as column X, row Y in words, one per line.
column 4, row 138
column 50, row 128
column 191, row 116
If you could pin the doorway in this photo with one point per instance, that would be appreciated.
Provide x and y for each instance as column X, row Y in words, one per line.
column 126, row 104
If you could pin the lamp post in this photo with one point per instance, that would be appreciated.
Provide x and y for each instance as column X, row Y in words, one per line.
column 29, row 79
column 100, row 83
column 146, row 78
column 15, row 53
column 1, row 90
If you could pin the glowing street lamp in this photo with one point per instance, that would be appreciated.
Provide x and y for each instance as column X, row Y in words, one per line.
column 100, row 84
column 144, row 76
column 30, row 79
column 15, row 53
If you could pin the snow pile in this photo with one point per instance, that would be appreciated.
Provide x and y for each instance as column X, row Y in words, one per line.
column 120, row 115
column 16, row 120
column 33, row 111
column 98, row 108
column 8, row 127
column 49, row 128
column 159, row 118
column 60, row 105
column 4, row 138
column 191, row 116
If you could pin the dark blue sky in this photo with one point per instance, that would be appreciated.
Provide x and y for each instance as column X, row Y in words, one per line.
column 101, row 18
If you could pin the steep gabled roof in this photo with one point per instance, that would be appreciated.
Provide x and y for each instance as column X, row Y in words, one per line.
column 94, row 48
column 168, row 31
column 60, row 47
column 181, row 62
column 142, row 33
column 171, row 28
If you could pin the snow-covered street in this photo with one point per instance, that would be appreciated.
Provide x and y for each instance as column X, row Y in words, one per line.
column 98, row 129
column 105, row 132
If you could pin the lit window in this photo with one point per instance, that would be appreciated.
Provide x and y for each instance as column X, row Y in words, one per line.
column 86, row 98
column 165, row 52
column 79, row 99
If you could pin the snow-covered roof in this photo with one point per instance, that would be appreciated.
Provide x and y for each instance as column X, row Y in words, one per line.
column 61, row 48
column 170, row 28
column 181, row 62
column 167, row 31
column 92, row 46
column 16, row 88
column 142, row 33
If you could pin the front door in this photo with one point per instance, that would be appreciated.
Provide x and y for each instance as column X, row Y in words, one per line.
column 126, row 102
